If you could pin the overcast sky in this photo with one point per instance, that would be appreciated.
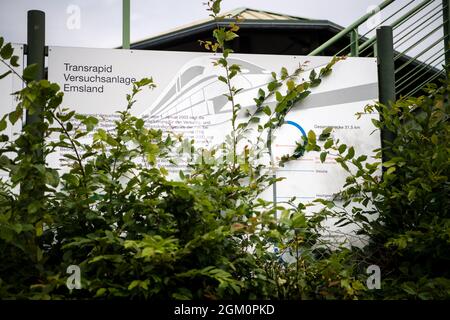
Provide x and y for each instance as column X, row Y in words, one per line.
column 100, row 20
column 98, row 23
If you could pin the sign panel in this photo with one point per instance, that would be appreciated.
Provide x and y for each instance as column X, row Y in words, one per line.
column 189, row 99
column 8, row 85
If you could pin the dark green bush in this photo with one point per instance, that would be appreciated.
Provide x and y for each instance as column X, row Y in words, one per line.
column 410, row 237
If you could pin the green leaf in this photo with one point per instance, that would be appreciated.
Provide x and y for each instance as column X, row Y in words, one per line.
column 434, row 139
column 229, row 35
column 219, row 35
column 139, row 123
column 66, row 116
column 90, row 123
column 389, row 163
column 284, row 73
column 376, row 122
column 408, row 287
column 216, row 6
column 33, row 207
column 5, row 74
column 362, row 158
column 342, row 148
column 390, row 170
column 30, row 72
column 52, row 177
column 261, row 93
column 14, row 61
column 323, row 156
column 15, row 115
column 425, row 296
column 315, row 82
column 278, row 96
column 280, row 107
column 312, row 75
column 100, row 292
column 312, row 137
column 272, row 86
column 70, row 179
column 298, row 220
column 182, row 296
column 134, row 284
column 223, row 79
column 226, row 53
column 290, row 85
column 327, row 130
column 350, row 153
column 3, row 124
column 6, row 51
column 144, row 82
column 39, row 229
column 18, row 228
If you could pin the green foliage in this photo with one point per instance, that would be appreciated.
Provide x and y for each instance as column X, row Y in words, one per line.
column 136, row 234
column 405, row 210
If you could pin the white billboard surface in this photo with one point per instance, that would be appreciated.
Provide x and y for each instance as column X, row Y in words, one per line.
column 189, row 99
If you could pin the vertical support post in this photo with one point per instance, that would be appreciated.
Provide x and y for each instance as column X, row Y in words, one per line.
column 125, row 24
column 446, row 21
column 36, row 49
column 386, row 69
column 354, row 43
column 386, row 74
column 32, row 189
column 274, row 174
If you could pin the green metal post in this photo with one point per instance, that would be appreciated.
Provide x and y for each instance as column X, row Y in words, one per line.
column 274, row 174
column 354, row 43
column 386, row 74
column 386, row 69
column 32, row 189
column 126, row 24
column 446, row 19
column 36, row 49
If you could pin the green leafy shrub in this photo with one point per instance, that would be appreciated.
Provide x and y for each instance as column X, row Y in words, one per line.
column 113, row 211
column 409, row 230
column 136, row 234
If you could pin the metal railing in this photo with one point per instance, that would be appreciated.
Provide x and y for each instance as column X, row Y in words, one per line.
column 420, row 41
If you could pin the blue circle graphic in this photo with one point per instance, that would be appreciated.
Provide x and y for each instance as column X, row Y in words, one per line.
column 299, row 127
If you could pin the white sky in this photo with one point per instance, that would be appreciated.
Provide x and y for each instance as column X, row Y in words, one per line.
column 100, row 20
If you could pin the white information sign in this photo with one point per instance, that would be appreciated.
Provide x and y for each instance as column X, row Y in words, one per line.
column 189, row 99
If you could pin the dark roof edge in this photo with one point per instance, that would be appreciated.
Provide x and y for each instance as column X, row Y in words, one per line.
column 210, row 25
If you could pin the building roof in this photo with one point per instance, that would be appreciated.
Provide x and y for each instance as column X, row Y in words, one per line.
column 249, row 17
column 252, row 14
